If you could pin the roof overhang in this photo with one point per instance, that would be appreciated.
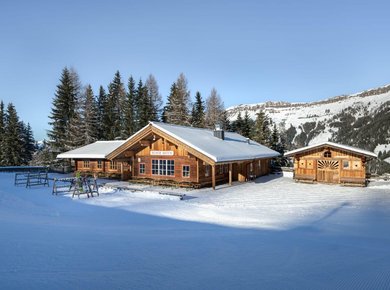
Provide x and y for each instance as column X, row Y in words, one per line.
column 350, row 149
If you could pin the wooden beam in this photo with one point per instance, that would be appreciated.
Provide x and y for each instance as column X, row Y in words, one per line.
column 122, row 174
column 230, row 173
column 213, row 176
column 144, row 142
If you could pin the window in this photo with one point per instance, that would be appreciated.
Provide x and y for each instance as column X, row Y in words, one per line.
column 113, row 165
column 327, row 154
column 251, row 167
column 163, row 167
column 186, row 171
column 345, row 164
column 207, row 170
column 170, row 167
column 155, row 167
column 99, row 164
column 86, row 164
column 142, row 168
column 220, row 169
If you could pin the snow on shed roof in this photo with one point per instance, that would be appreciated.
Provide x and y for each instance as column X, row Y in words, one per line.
column 97, row 150
column 335, row 145
column 233, row 148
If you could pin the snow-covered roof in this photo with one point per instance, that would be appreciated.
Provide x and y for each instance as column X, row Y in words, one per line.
column 233, row 148
column 331, row 144
column 97, row 150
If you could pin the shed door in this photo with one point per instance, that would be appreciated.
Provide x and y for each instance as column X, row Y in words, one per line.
column 328, row 171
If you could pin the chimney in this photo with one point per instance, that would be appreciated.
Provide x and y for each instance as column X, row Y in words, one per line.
column 218, row 132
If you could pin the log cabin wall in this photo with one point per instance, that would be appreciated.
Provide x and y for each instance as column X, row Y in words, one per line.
column 100, row 166
column 330, row 165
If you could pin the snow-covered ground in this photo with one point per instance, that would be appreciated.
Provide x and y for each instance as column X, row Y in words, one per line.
column 268, row 234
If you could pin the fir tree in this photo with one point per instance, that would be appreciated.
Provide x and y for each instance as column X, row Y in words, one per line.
column 237, row 124
column 28, row 143
column 101, row 103
column 274, row 140
column 154, row 98
column 130, row 125
column 12, row 143
column 214, row 109
column 177, row 108
column 225, row 122
column 2, row 124
column 197, row 113
column 261, row 132
column 63, row 109
column 90, row 116
column 145, row 107
column 246, row 126
column 113, row 119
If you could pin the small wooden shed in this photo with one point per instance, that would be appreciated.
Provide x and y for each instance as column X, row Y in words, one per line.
column 330, row 162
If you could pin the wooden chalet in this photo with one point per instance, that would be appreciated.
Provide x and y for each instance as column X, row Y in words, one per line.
column 170, row 154
column 92, row 158
column 331, row 163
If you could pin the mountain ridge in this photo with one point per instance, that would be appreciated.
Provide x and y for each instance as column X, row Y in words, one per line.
column 361, row 120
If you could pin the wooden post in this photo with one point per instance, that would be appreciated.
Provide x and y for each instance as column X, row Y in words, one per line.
column 132, row 166
column 213, row 176
column 197, row 170
column 230, row 173
column 122, row 173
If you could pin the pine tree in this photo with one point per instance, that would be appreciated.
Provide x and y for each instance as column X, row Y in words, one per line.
column 2, row 125
column 274, row 140
column 214, row 109
column 246, row 126
column 113, row 120
column 261, row 132
column 12, row 143
column 154, row 98
column 177, row 108
column 198, row 113
column 145, row 107
column 90, row 116
column 76, row 127
column 225, row 122
column 237, row 124
column 28, row 143
column 101, row 103
column 130, row 125
column 63, row 109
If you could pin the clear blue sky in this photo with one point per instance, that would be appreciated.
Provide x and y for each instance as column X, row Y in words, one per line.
column 250, row 51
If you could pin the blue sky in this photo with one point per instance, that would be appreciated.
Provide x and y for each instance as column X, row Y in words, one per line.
column 250, row 51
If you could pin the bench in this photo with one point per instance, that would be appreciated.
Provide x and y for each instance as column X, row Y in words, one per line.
column 304, row 178
column 180, row 195
column 353, row 181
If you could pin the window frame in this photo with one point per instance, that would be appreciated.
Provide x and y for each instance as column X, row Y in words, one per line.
column 188, row 172
column 86, row 164
column 163, row 167
column 141, row 168
column 100, row 164
column 113, row 165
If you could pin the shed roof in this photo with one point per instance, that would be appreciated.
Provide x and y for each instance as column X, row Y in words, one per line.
column 97, row 150
column 334, row 145
column 234, row 147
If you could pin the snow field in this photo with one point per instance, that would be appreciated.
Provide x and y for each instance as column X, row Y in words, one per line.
column 268, row 234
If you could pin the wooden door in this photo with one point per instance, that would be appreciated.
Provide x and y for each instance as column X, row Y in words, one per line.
column 328, row 171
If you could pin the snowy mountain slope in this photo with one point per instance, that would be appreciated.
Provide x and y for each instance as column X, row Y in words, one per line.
column 361, row 120
column 296, row 114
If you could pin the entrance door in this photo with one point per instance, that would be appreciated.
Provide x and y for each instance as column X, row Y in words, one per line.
column 328, row 171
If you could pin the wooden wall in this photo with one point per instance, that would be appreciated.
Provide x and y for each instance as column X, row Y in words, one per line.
column 340, row 167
